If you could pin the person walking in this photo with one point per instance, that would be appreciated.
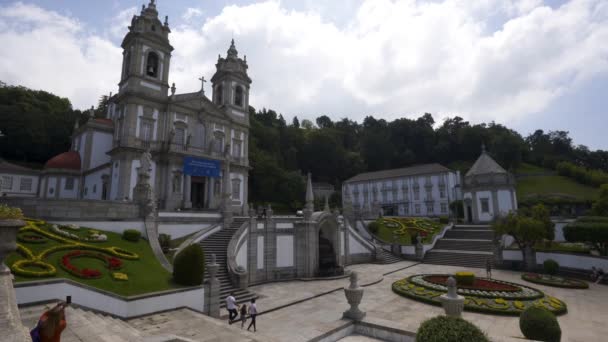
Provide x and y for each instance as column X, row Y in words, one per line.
column 253, row 311
column 489, row 268
column 51, row 325
column 243, row 315
column 231, row 307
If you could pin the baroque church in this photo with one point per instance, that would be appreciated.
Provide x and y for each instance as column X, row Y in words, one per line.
column 198, row 145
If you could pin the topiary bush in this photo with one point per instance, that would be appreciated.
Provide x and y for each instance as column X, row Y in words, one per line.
column 374, row 227
column 465, row 278
column 164, row 240
column 551, row 267
column 449, row 329
column 539, row 324
column 131, row 235
column 189, row 266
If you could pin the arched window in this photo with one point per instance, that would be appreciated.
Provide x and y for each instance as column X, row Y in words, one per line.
column 218, row 94
column 152, row 65
column 238, row 96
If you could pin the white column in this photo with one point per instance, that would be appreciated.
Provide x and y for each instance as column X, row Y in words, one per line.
column 187, row 191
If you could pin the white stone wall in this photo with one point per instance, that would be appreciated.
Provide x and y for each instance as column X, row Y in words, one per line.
column 177, row 230
column 102, row 143
column 13, row 187
column 114, row 180
column 94, row 184
column 260, row 260
column 490, row 214
column 67, row 193
column 111, row 226
column 285, row 250
column 504, row 202
column 241, row 256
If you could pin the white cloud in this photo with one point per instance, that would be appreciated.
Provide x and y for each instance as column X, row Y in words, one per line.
column 120, row 22
column 484, row 60
column 192, row 13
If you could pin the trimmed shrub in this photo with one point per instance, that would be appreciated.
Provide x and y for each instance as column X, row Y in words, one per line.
column 189, row 266
column 374, row 227
column 465, row 278
column 551, row 267
column 595, row 233
column 539, row 324
column 131, row 235
column 164, row 240
column 449, row 329
column 443, row 219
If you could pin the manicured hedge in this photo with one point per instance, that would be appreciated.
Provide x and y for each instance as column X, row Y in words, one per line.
column 591, row 232
column 465, row 278
column 449, row 329
column 592, row 219
column 189, row 266
column 551, row 267
column 131, row 235
column 582, row 174
column 539, row 324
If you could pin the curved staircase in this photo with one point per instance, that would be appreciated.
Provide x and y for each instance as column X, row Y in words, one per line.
column 464, row 245
column 217, row 243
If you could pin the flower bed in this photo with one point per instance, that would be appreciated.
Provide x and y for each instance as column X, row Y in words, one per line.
column 111, row 262
column 486, row 299
column 478, row 284
column 404, row 228
column 30, row 238
column 555, row 281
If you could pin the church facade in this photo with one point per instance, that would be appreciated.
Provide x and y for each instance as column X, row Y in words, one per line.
column 198, row 145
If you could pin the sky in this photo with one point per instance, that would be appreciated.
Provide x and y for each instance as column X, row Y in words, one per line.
column 527, row 64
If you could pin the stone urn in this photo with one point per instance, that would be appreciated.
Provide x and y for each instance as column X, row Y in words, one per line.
column 452, row 303
column 8, row 240
column 354, row 293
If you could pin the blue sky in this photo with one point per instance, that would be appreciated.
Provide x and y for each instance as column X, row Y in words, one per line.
column 525, row 63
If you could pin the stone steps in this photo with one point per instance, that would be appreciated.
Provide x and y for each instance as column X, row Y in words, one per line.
column 465, row 245
column 217, row 244
column 86, row 326
column 468, row 235
column 468, row 260
column 384, row 257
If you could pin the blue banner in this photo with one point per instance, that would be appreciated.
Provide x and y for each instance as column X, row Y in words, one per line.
column 201, row 167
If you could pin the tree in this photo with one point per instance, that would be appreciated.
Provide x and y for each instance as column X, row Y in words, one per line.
column 540, row 213
column 526, row 232
column 324, row 122
column 295, row 123
column 307, row 124
column 600, row 207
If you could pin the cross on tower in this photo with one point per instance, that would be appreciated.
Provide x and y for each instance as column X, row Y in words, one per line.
column 202, row 79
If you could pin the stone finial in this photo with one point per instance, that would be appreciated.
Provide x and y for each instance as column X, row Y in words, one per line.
column 309, row 194
column 326, row 208
column 452, row 289
column 173, row 89
column 166, row 20
column 354, row 279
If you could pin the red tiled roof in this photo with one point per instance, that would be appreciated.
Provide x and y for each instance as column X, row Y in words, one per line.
column 66, row 160
column 104, row 121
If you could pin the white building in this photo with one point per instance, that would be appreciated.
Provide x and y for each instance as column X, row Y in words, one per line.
column 489, row 191
column 18, row 181
column 421, row 190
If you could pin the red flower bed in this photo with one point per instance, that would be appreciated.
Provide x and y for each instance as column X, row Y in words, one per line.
column 479, row 284
column 111, row 262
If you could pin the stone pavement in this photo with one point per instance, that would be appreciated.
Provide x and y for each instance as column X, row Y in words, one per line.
column 585, row 320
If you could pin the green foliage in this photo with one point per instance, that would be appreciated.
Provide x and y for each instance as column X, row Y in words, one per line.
column 551, row 267
column 165, row 242
column 600, row 207
column 374, row 227
column 457, row 208
column 465, row 278
column 131, row 235
column 582, row 174
column 592, row 219
column 525, row 230
column 189, row 266
column 10, row 213
column 37, row 125
column 595, row 233
column 540, row 324
column 540, row 213
column 443, row 219
column 449, row 329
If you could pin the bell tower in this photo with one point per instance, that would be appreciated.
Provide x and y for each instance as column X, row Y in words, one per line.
column 231, row 83
column 146, row 54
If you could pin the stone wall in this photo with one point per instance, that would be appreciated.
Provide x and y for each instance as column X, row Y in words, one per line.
column 77, row 209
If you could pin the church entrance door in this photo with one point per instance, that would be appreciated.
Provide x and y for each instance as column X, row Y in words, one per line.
column 197, row 192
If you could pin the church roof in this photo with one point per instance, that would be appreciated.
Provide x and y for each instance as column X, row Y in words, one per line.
column 403, row 172
column 485, row 165
column 10, row 167
column 67, row 160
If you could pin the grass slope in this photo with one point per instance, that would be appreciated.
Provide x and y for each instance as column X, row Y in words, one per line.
column 145, row 274
column 534, row 181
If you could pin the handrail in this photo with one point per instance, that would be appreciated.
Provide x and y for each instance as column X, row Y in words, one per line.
column 196, row 237
column 238, row 275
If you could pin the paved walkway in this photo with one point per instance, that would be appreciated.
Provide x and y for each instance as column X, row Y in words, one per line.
column 585, row 321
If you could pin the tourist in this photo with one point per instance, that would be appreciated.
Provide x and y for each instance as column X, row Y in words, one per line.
column 253, row 311
column 489, row 268
column 597, row 274
column 51, row 324
column 243, row 315
column 231, row 307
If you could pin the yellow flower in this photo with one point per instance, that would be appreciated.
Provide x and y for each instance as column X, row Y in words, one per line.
column 120, row 276
column 500, row 301
column 519, row 305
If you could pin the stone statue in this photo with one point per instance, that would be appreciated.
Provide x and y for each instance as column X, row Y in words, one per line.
column 451, row 283
column 145, row 162
column 353, row 294
column 354, row 279
column 452, row 303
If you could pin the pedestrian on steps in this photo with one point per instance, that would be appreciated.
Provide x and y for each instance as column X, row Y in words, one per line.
column 253, row 311
column 243, row 315
column 489, row 268
column 231, row 307
column 51, row 325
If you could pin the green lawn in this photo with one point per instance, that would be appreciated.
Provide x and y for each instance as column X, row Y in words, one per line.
column 529, row 168
column 386, row 227
column 554, row 186
column 145, row 274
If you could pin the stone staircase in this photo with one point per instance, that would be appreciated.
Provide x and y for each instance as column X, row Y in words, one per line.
column 464, row 245
column 384, row 257
column 86, row 326
column 217, row 243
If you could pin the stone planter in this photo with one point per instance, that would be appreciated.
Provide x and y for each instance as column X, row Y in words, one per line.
column 8, row 240
column 453, row 306
column 353, row 294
